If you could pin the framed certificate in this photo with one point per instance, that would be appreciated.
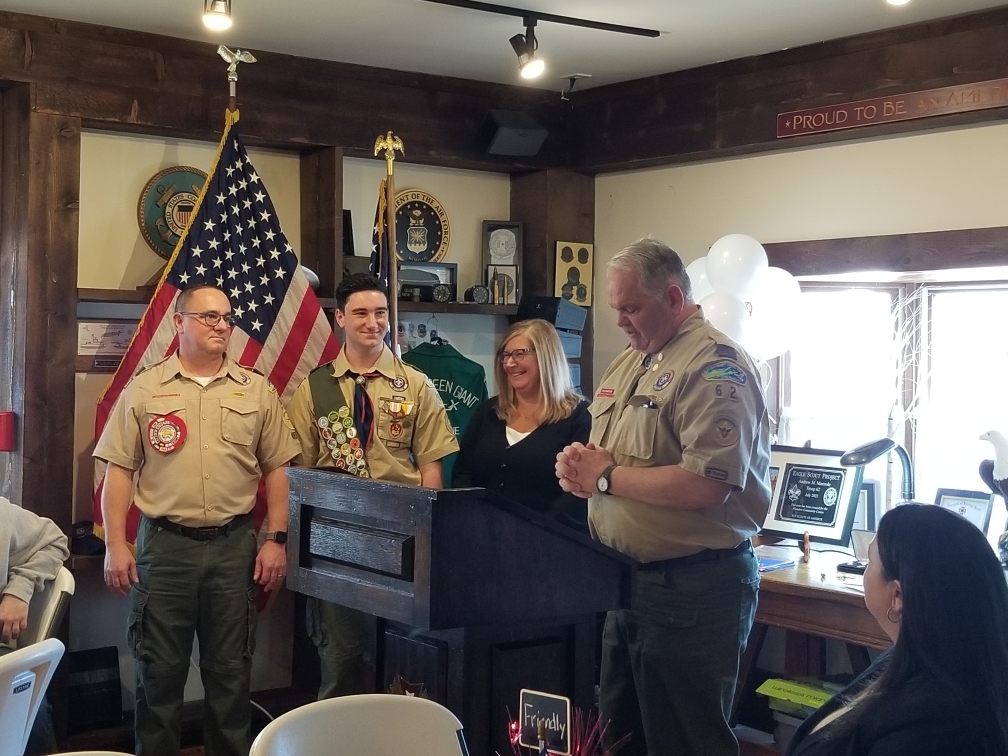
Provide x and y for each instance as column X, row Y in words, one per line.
column 974, row 506
column 810, row 491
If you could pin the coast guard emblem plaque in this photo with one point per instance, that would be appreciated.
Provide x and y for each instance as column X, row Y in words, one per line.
column 422, row 229
column 166, row 205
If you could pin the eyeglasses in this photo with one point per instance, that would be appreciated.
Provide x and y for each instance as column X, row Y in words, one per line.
column 518, row 354
column 211, row 319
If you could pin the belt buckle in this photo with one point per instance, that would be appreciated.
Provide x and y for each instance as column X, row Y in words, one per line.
column 205, row 534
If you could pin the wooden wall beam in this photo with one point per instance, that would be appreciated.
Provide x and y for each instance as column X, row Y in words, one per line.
column 554, row 205
column 730, row 108
column 322, row 216
column 123, row 80
column 901, row 253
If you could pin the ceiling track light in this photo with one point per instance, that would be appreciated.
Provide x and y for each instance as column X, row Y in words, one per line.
column 525, row 46
column 506, row 10
column 217, row 14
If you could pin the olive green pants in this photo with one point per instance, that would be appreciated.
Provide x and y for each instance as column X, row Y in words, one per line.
column 669, row 665
column 186, row 587
column 337, row 632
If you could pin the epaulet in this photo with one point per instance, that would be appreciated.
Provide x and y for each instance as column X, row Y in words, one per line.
column 324, row 366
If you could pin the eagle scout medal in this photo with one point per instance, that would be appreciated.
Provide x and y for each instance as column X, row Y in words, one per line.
column 166, row 433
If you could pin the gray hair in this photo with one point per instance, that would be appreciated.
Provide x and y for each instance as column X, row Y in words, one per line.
column 655, row 264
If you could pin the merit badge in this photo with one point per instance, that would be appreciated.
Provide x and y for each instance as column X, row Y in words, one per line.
column 351, row 432
column 399, row 383
column 334, row 418
column 395, row 429
column 323, row 422
column 358, row 454
column 331, row 443
column 166, row 433
column 354, row 443
column 347, row 422
column 364, row 473
column 344, row 411
column 326, row 433
column 340, row 437
column 345, row 449
column 340, row 463
column 663, row 380
column 724, row 371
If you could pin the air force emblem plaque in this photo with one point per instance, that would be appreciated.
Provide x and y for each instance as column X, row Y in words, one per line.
column 422, row 229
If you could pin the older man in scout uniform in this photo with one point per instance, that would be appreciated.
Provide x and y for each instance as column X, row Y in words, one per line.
column 369, row 414
column 201, row 431
column 677, row 474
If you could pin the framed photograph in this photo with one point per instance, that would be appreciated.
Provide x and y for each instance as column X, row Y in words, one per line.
column 502, row 281
column 867, row 506
column 428, row 282
column 101, row 344
column 573, row 274
column 975, row 506
column 811, row 491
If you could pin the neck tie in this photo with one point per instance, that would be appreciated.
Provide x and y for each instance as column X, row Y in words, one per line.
column 363, row 410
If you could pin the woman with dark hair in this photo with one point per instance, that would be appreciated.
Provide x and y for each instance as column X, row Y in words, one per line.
column 936, row 588
column 511, row 443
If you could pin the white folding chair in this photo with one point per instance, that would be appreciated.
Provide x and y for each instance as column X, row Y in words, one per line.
column 47, row 608
column 24, row 677
column 375, row 724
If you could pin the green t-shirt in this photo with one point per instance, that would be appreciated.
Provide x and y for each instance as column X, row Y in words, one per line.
column 459, row 381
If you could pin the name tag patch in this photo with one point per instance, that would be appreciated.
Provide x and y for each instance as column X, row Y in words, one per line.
column 725, row 371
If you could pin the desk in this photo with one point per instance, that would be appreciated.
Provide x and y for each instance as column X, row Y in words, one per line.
column 802, row 600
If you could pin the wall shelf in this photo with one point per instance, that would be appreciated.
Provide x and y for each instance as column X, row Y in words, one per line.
column 458, row 308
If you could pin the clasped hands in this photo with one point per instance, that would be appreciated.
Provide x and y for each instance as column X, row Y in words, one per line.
column 579, row 467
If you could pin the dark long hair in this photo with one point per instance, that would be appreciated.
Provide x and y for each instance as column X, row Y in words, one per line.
column 954, row 625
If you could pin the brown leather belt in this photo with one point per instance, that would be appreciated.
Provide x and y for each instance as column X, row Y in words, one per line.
column 201, row 534
column 707, row 555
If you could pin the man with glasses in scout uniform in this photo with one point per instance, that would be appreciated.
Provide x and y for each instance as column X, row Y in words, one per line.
column 677, row 469
column 201, row 431
column 369, row 414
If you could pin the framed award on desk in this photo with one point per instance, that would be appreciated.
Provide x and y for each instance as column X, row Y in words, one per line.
column 812, row 492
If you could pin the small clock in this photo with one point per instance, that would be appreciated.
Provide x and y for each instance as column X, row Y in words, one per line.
column 442, row 293
column 478, row 294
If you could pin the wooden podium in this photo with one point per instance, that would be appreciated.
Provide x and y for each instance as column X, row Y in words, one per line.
column 478, row 596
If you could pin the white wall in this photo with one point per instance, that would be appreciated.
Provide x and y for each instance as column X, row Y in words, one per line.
column 935, row 181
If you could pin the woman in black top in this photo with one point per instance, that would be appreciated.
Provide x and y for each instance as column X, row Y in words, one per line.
column 511, row 443
column 936, row 588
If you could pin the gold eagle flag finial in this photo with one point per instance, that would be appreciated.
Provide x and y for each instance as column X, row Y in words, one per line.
column 389, row 143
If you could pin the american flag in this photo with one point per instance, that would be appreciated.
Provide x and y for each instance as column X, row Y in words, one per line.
column 380, row 245
column 233, row 242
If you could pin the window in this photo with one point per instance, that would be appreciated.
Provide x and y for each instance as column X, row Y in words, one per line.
column 923, row 362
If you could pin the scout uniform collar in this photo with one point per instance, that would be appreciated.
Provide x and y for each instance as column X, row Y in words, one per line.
column 173, row 367
column 691, row 323
column 386, row 364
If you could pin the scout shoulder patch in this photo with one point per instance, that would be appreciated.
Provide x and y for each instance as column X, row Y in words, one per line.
column 724, row 371
column 725, row 431
column 726, row 350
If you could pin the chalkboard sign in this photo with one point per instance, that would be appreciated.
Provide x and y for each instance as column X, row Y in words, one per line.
column 554, row 712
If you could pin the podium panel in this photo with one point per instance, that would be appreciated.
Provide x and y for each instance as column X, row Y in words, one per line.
column 476, row 595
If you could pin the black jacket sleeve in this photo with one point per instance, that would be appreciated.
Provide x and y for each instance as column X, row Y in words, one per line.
column 463, row 472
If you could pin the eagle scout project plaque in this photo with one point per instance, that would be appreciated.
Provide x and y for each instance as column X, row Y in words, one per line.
column 166, row 204
column 548, row 714
column 812, row 492
column 421, row 226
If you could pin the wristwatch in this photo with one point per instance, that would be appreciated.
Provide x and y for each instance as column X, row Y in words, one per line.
column 603, row 484
column 280, row 536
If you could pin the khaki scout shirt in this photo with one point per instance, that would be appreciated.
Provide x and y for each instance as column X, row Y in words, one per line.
column 234, row 433
column 426, row 435
column 696, row 404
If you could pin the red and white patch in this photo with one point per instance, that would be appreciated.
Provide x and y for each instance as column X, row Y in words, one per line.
column 605, row 393
column 166, row 433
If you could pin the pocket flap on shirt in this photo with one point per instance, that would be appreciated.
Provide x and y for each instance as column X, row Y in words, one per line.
column 600, row 406
column 241, row 406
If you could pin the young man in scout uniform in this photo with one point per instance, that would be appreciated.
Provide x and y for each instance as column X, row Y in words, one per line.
column 201, row 431
column 370, row 414
column 677, row 471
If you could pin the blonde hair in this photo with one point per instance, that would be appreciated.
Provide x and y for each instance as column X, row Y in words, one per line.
column 557, row 398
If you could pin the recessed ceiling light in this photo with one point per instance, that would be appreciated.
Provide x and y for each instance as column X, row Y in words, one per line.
column 217, row 14
column 897, row 2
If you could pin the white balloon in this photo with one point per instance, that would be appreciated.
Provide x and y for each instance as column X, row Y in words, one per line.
column 774, row 305
column 728, row 314
column 732, row 264
column 697, row 272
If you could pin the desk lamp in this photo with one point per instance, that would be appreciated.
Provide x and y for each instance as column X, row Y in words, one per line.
column 866, row 453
